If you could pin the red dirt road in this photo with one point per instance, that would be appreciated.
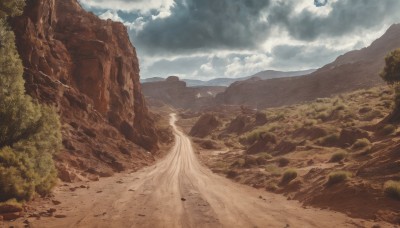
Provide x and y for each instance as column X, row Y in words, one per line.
column 179, row 192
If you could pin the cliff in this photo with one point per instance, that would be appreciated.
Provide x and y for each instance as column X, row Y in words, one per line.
column 89, row 70
column 354, row 70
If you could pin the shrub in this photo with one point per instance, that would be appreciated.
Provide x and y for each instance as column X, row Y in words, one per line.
column 289, row 175
column 337, row 157
column 388, row 129
column 29, row 133
column 330, row 139
column 257, row 134
column 337, row 177
column 392, row 189
column 361, row 144
column 265, row 155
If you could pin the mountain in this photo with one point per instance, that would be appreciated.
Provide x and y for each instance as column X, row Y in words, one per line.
column 354, row 70
column 88, row 69
column 175, row 92
column 268, row 74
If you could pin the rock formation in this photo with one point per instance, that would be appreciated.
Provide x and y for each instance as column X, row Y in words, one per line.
column 89, row 70
column 176, row 93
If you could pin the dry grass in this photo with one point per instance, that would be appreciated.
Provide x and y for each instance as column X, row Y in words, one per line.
column 392, row 189
column 338, row 177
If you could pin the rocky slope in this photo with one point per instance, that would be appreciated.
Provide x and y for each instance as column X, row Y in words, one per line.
column 330, row 153
column 175, row 93
column 88, row 69
column 351, row 71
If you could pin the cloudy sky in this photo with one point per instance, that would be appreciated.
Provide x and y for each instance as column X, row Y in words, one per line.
column 204, row 39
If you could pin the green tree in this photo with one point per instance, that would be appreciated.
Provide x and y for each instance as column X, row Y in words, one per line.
column 391, row 74
column 29, row 132
column 11, row 8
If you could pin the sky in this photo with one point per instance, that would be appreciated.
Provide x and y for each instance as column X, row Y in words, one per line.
column 205, row 39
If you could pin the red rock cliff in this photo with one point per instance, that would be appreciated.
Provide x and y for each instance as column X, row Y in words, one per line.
column 88, row 69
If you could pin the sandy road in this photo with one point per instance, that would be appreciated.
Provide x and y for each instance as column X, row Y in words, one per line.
column 179, row 192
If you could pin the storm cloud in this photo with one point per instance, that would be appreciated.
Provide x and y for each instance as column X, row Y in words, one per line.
column 345, row 17
column 233, row 38
column 207, row 24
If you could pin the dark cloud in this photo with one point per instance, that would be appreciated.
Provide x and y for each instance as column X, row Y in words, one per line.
column 346, row 17
column 320, row 3
column 207, row 24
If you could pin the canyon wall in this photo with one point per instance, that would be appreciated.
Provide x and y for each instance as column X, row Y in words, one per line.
column 88, row 69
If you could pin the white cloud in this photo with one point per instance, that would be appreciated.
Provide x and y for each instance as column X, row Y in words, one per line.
column 129, row 5
column 247, row 66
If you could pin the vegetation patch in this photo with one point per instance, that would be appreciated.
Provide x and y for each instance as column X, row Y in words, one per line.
column 338, row 177
column 288, row 176
column 361, row 144
column 29, row 132
column 392, row 189
column 338, row 157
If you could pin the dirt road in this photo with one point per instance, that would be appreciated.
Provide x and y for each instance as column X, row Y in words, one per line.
column 179, row 192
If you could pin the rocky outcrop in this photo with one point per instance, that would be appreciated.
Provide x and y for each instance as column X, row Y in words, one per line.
column 176, row 93
column 88, row 69
column 354, row 70
column 206, row 124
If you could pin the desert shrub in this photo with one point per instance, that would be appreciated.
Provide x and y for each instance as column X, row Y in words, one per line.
column 257, row 134
column 29, row 133
column 392, row 189
column 337, row 177
column 391, row 75
column 289, row 175
column 265, row 155
column 337, row 157
column 361, row 144
column 371, row 115
column 324, row 115
column 388, row 129
column 330, row 139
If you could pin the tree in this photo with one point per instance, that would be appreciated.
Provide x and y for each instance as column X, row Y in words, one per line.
column 29, row 132
column 11, row 8
column 391, row 74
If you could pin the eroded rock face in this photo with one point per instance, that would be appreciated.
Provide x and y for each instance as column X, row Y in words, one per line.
column 88, row 69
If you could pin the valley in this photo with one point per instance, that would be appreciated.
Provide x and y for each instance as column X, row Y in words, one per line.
column 89, row 138
column 178, row 191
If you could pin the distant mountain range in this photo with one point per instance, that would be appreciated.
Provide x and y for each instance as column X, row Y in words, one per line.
column 354, row 70
column 268, row 74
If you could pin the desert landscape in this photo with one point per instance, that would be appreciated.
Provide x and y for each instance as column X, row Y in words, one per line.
column 199, row 113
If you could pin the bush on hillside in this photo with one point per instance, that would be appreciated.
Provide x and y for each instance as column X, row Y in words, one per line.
column 392, row 189
column 391, row 75
column 337, row 177
column 338, row 157
column 288, row 176
column 29, row 133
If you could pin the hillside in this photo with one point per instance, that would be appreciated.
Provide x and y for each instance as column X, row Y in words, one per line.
column 328, row 153
column 351, row 71
column 88, row 69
